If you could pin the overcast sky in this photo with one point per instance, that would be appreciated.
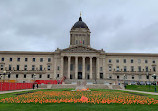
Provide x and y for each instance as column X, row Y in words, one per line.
column 126, row 26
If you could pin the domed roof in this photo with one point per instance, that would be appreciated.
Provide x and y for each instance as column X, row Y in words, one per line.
column 80, row 24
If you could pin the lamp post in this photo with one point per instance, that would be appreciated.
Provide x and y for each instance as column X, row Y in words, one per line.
column 34, row 77
column 4, row 73
column 147, row 75
column 154, row 76
column 124, row 76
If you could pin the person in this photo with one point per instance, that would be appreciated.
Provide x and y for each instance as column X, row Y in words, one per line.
column 33, row 86
column 37, row 86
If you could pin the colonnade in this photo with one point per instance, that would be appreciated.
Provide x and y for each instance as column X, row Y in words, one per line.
column 83, row 66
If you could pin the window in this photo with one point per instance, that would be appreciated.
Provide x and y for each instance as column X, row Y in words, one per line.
column 32, row 75
column 110, row 68
column 154, row 62
column 110, row 61
column 101, row 75
column 33, row 67
column 1, row 66
column 11, row 59
column 40, row 76
column 48, row 75
column 24, row 75
column 139, row 61
column 132, row 60
column 88, row 67
column 146, row 68
column 117, row 68
column 76, row 41
column 70, row 76
column 58, row 68
column 83, row 41
column 33, row 59
column 139, row 68
column 26, row 59
column 71, row 67
column 2, row 59
column 87, row 76
column 49, row 59
column 18, row 67
column 101, row 68
column 79, row 67
column 124, row 60
column 10, row 67
column 48, row 67
column 125, row 68
column 132, row 68
column 117, row 61
column 147, row 76
column 17, row 75
column 132, row 76
column 140, row 76
column 57, row 75
column 41, row 59
column 154, row 68
column 18, row 59
column 146, row 61
column 41, row 67
column 25, row 67
column 118, row 77
column 9, row 75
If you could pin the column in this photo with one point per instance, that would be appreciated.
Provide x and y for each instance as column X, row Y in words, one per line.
column 68, row 70
column 83, row 67
column 97, row 72
column 91, row 77
column 61, row 67
column 76, row 67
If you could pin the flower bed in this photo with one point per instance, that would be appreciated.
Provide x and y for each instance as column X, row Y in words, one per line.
column 94, row 97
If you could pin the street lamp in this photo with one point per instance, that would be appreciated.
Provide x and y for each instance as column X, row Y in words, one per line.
column 4, row 73
column 124, row 76
column 147, row 76
column 154, row 76
column 34, row 76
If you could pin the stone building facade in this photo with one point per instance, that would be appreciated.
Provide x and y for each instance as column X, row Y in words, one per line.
column 78, row 62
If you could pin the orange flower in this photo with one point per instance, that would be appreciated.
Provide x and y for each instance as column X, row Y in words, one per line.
column 84, row 99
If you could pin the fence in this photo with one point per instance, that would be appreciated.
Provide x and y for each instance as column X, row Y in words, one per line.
column 48, row 82
column 6, row 86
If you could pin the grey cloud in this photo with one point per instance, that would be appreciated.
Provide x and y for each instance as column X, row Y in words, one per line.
column 44, row 25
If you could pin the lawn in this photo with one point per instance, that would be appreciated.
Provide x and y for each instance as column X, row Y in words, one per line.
column 146, row 88
column 81, row 104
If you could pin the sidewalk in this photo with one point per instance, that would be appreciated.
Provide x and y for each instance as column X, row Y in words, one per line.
column 152, row 93
column 4, row 92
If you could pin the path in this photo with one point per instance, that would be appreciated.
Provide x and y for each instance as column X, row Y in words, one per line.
column 4, row 92
column 152, row 93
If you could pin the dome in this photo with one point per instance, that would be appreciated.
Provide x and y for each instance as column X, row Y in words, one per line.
column 80, row 24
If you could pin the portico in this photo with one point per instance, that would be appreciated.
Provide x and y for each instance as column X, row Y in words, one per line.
column 80, row 67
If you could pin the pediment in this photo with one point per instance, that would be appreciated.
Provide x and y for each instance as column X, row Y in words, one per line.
column 81, row 49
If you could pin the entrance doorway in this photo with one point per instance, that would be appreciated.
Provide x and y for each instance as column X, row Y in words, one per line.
column 79, row 75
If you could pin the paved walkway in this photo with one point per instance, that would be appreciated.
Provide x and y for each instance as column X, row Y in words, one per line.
column 4, row 92
column 152, row 93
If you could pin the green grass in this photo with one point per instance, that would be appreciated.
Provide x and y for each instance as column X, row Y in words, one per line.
column 75, row 106
column 146, row 88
